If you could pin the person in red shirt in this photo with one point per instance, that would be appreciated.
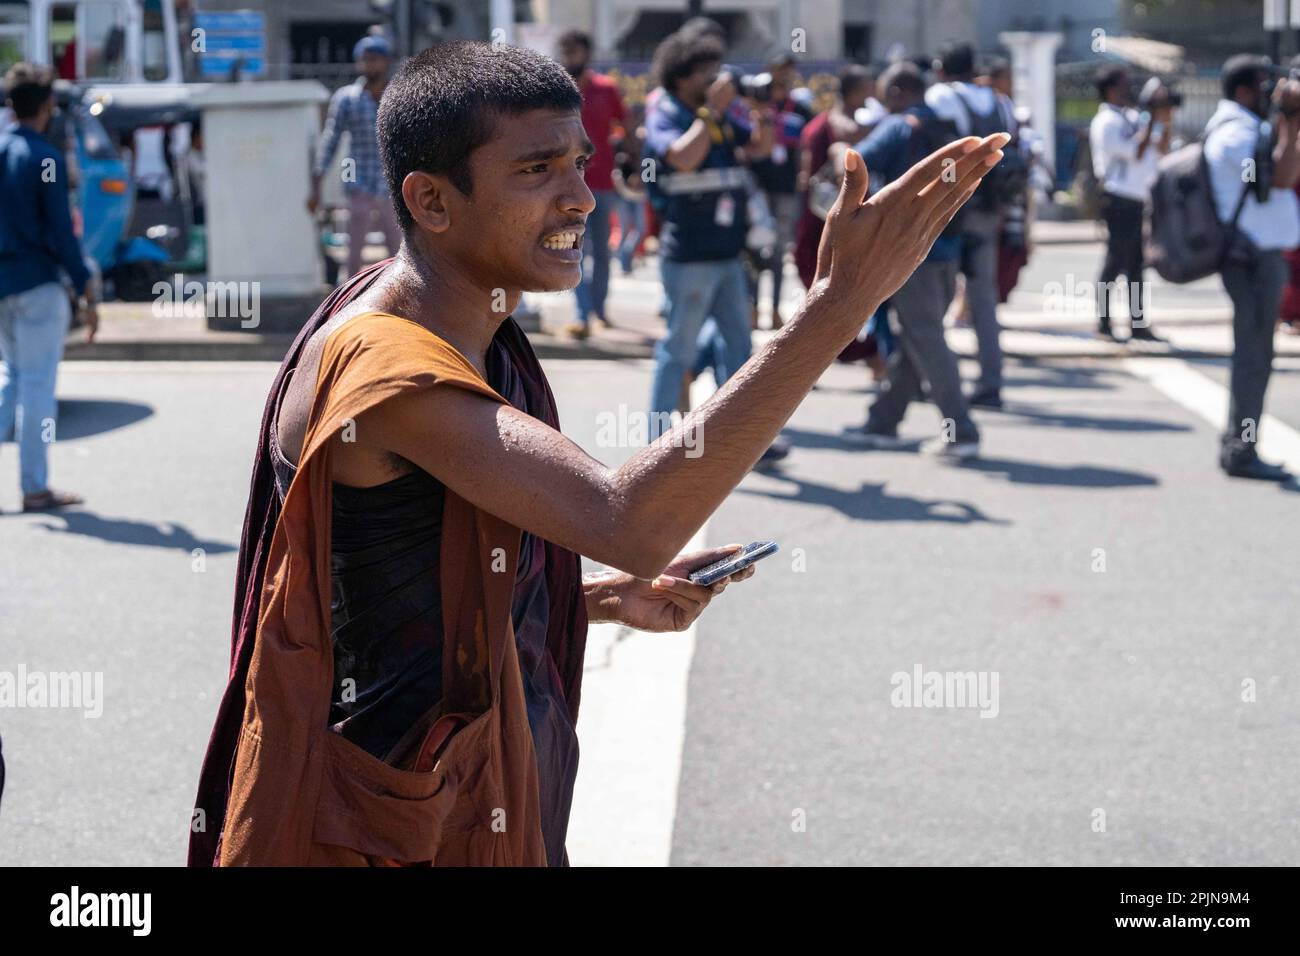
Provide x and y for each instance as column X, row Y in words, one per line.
column 603, row 118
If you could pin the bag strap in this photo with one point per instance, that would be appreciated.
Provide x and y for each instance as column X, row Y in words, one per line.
column 1231, row 237
column 1241, row 203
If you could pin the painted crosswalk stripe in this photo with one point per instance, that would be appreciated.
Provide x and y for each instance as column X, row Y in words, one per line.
column 631, row 729
column 1278, row 441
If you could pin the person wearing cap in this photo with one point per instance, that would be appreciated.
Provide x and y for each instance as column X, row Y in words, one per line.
column 352, row 110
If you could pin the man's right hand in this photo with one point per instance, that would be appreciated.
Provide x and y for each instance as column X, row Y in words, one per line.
column 313, row 201
column 722, row 92
column 1287, row 96
column 869, row 248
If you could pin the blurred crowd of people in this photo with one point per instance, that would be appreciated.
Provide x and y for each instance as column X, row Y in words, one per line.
column 727, row 175
column 740, row 171
column 743, row 170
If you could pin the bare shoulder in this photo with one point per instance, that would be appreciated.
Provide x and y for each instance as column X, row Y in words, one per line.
column 299, row 393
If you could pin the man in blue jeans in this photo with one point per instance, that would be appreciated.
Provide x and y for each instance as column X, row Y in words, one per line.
column 36, row 242
column 698, row 190
column 912, row 131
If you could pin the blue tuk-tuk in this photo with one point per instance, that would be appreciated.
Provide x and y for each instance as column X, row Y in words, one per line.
column 104, row 198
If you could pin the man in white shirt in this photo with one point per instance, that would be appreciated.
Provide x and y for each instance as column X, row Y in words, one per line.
column 972, row 109
column 1253, row 179
column 1125, row 151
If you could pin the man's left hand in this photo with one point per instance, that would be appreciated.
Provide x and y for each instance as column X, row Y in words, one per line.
column 668, row 603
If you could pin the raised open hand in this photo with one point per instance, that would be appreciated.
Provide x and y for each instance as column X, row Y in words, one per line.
column 870, row 246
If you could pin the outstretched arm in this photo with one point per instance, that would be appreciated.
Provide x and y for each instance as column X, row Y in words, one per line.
column 638, row 517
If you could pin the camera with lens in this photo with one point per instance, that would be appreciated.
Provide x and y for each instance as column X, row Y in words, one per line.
column 1156, row 94
column 1288, row 102
column 756, row 87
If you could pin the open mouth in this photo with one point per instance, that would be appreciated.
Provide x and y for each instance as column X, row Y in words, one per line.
column 563, row 240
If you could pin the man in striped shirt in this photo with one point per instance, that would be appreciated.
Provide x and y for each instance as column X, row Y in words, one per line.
column 352, row 110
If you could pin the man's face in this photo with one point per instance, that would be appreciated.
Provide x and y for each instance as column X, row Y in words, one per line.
column 1121, row 91
column 1257, row 101
column 521, row 229
column 574, row 59
column 373, row 66
column 692, row 88
column 892, row 98
column 855, row 97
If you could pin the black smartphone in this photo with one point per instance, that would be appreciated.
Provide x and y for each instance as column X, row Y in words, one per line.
column 742, row 559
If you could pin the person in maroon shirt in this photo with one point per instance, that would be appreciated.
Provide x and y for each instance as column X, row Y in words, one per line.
column 835, row 125
column 603, row 118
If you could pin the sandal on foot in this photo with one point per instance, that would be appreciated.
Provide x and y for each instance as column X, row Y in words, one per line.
column 49, row 500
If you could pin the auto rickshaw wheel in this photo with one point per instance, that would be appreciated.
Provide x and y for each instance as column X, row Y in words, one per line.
column 134, row 281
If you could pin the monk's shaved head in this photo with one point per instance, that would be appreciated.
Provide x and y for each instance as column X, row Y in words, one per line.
column 444, row 103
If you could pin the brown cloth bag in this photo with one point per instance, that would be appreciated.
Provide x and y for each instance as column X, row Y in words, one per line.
column 303, row 794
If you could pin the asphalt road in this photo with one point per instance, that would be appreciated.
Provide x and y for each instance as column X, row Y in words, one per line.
column 1119, row 690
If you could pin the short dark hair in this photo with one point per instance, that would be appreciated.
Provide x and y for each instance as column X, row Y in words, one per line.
column 957, row 59
column 906, row 76
column 852, row 77
column 681, row 54
column 1242, row 70
column 1109, row 77
column 445, row 101
column 27, row 88
column 572, row 38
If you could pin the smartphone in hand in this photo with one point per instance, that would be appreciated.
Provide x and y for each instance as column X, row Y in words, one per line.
column 742, row 559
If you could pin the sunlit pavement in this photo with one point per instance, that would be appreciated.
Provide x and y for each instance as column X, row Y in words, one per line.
column 1136, row 607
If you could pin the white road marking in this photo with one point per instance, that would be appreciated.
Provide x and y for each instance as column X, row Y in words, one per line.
column 631, row 728
column 1278, row 441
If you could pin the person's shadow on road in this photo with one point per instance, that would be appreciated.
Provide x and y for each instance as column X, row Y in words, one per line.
column 1031, row 415
column 85, row 417
column 1067, row 476
column 871, row 502
column 126, row 531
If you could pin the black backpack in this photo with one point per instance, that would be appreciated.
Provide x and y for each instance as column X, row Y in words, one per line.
column 931, row 132
column 1187, row 240
column 1006, row 182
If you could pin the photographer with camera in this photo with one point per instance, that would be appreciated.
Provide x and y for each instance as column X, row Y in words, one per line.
column 1126, row 149
column 1254, row 164
column 694, row 141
